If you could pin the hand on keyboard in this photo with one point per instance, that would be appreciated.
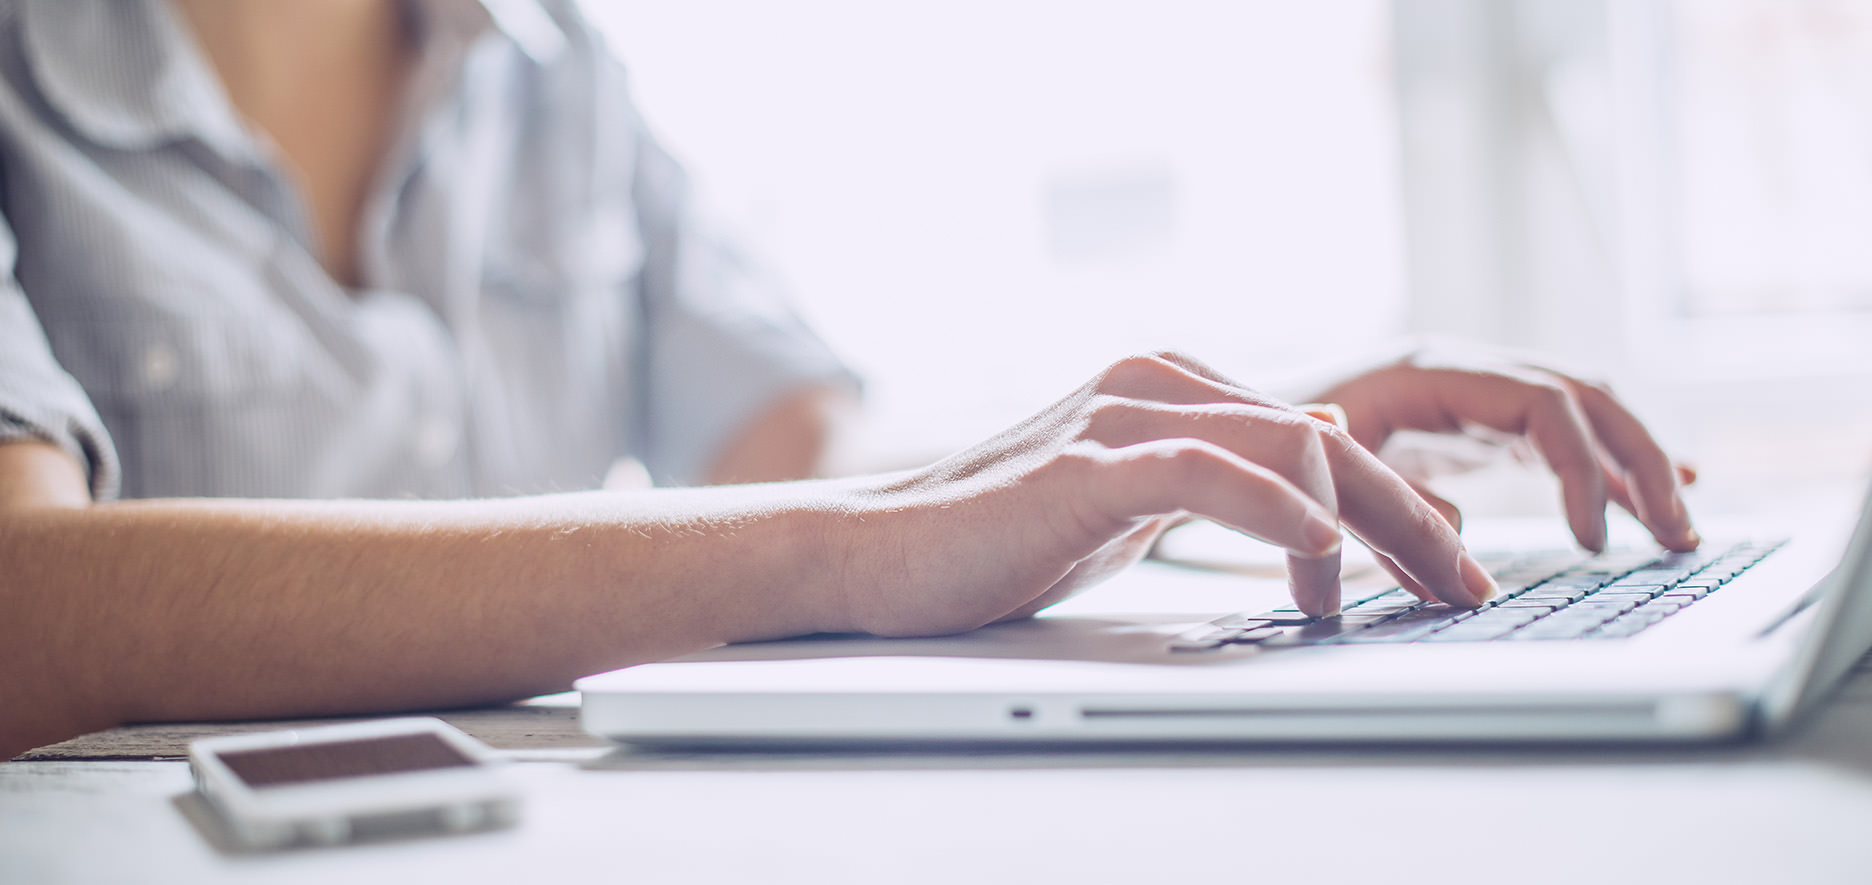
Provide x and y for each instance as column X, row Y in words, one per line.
column 1082, row 489
column 1544, row 596
column 1596, row 447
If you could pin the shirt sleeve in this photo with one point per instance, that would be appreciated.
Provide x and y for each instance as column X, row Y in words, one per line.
column 38, row 398
column 720, row 342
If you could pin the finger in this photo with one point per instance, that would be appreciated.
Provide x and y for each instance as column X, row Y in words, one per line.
column 1305, row 574
column 1534, row 406
column 1278, row 440
column 1172, row 475
column 1329, row 413
column 1651, row 477
column 1169, row 377
column 1313, row 581
column 1373, row 500
column 1210, row 481
column 1441, row 505
column 1403, row 578
column 1618, row 492
column 1383, row 510
column 1196, row 367
column 1450, row 515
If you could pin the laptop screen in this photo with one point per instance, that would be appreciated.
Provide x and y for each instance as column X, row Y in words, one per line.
column 1843, row 626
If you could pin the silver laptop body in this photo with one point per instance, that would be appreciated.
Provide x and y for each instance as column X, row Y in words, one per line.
column 1748, row 660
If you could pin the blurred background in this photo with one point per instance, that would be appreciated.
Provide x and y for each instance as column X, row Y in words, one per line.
column 981, row 203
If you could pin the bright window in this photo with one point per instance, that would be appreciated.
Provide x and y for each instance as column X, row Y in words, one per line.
column 1773, row 142
column 981, row 203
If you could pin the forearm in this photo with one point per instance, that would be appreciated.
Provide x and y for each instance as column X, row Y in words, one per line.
column 166, row 610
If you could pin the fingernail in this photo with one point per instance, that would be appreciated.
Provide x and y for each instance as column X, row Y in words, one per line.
column 1681, row 515
column 1331, row 413
column 1324, row 606
column 1322, row 535
column 1476, row 579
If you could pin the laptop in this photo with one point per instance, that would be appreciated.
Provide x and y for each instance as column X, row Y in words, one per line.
column 1730, row 642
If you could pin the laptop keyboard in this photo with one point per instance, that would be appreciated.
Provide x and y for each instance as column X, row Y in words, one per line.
column 1544, row 596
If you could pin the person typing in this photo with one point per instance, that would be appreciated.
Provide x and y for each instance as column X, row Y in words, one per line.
column 320, row 325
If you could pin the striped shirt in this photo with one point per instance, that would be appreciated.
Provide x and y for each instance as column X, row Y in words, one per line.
column 539, row 295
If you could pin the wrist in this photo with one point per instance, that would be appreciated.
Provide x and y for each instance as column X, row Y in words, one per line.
column 853, row 537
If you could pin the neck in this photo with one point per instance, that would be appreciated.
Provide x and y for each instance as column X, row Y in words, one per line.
column 267, row 51
column 322, row 79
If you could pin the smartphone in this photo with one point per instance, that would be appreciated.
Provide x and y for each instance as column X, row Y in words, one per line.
column 336, row 783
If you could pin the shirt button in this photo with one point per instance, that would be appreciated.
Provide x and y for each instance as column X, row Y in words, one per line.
column 437, row 440
column 159, row 367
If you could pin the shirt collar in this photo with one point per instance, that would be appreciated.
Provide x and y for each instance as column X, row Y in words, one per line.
column 157, row 87
column 525, row 23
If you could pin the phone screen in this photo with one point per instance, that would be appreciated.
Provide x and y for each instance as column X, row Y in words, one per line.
column 334, row 760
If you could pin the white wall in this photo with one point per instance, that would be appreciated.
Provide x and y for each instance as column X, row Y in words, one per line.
column 980, row 202
column 1619, row 182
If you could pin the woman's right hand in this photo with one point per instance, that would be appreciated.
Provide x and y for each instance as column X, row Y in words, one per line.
column 1082, row 489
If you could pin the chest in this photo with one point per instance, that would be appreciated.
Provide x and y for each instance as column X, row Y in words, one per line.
column 329, row 145
column 491, row 342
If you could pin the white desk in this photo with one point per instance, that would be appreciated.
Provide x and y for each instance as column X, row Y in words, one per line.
column 1799, row 811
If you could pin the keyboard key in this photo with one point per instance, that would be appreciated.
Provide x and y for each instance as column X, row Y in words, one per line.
column 1208, row 631
column 1620, row 629
column 1411, row 625
column 1648, row 588
column 1241, row 622
column 1385, row 609
column 1433, row 612
column 1581, row 618
column 1546, row 595
column 1612, row 593
column 1284, row 617
column 1522, row 578
column 1555, row 630
column 1569, row 593
column 1539, row 597
column 1320, row 631
column 1471, row 631
column 1657, row 576
column 1554, row 559
column 1511, row 617
column 1637, row 559
column 1571, row 583
column 1614, row 604
column 1546, row 603
column 1209, row 637
column 1259, row 634
column 1363, row 618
